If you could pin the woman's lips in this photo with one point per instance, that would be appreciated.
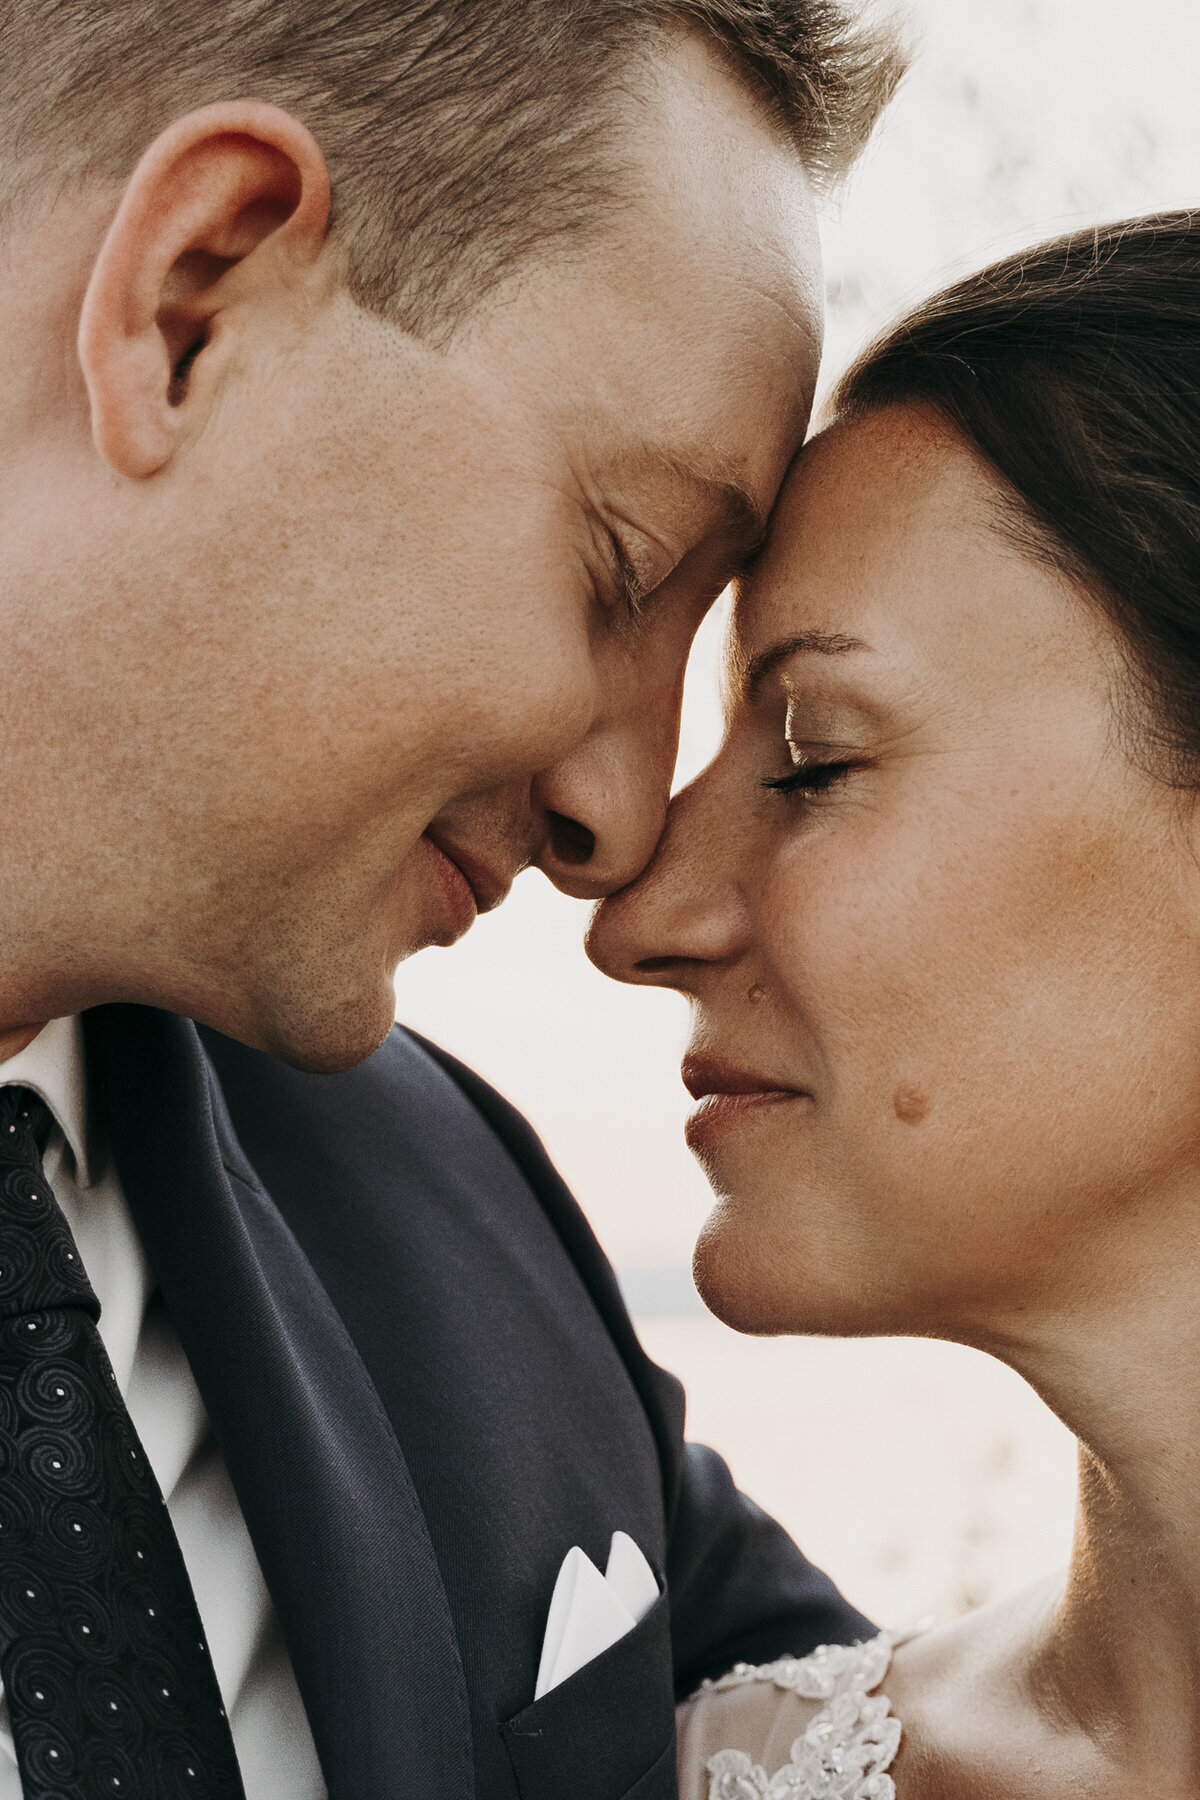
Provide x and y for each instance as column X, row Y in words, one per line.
column 717, row 1113
column 728, row 1096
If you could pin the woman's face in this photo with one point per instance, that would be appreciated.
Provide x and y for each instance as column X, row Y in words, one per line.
column 942, row 935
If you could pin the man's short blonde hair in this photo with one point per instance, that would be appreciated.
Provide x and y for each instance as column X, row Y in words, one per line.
column 463, row 136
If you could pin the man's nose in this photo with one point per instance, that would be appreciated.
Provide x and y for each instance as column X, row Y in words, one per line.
column 688, row 910
column 604, row 809
column 605, row 802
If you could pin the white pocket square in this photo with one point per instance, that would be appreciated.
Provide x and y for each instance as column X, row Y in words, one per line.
column 589, row 1612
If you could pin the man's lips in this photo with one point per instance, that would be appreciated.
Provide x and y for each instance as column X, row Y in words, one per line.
column 727, row 1094
column 488, row 886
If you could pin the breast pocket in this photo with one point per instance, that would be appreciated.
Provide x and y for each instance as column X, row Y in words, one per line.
column 609, row 1732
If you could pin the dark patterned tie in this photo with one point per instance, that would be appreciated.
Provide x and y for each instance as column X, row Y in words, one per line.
column 110, row 1687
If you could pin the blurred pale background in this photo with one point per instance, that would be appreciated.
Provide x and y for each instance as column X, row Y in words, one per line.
column 926, row 1478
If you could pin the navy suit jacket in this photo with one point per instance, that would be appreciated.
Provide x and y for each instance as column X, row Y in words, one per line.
column 427, row 1389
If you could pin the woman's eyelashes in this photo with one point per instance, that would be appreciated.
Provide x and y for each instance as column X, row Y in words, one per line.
column 812, row 777
column 820, row 766
column 823, row 753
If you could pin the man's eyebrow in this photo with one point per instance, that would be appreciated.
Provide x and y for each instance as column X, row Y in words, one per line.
column 805, row 643
column 742, row 519
column 738, row 513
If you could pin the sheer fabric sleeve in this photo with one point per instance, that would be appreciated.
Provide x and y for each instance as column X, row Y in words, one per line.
column 802, row 1728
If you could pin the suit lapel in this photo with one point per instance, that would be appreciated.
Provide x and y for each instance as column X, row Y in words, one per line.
column 660, row 1393
column 322, row 1481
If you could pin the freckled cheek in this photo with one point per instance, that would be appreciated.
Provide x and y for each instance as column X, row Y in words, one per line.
column 840, row 958
column 873, row 973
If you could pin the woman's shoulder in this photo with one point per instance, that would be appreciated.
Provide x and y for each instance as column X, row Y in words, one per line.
column 928, row 1711
column 795, row 1729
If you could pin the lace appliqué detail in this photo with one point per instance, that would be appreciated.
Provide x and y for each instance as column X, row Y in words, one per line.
column 848, row 1747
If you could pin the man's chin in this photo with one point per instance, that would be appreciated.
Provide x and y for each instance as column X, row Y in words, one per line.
column 333, row 1042
column 331, row 1055
column 322, row 1036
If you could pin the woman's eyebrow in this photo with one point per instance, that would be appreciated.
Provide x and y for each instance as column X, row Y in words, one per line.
column 805, row 643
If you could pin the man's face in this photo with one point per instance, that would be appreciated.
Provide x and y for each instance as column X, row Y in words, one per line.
column 415, row 618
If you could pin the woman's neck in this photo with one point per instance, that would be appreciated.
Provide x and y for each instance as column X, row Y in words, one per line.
column 1120, row 1656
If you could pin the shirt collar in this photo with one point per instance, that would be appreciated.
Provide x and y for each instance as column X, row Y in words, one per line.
column 53, row 1066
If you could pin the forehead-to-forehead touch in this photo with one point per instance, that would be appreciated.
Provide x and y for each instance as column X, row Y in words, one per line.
column 882, row 518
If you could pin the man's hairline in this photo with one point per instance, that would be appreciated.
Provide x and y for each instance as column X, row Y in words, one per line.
column 561, row 249
column 31, row 185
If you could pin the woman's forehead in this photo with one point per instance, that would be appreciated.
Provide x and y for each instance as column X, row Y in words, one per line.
column 888, row 534
column 866, row 499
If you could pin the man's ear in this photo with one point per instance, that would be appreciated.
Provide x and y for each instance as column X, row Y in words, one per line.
column 229, row 206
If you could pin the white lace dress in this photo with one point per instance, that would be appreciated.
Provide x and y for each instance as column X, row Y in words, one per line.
column 804, row 1728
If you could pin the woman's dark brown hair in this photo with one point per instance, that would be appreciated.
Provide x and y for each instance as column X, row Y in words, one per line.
column 1074, row 370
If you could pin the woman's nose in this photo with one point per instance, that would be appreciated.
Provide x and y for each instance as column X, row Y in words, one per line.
column 686, row 913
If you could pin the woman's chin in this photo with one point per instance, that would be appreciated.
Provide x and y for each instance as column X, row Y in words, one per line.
column 745, row 1289
column 756, row 1285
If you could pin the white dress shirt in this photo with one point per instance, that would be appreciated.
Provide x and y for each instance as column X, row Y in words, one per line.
column 270, row 1728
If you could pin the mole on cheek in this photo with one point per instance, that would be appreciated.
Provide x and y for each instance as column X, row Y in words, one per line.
column 911, row 1105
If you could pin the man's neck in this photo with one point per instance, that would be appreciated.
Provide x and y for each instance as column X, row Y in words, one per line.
column 15, row 1038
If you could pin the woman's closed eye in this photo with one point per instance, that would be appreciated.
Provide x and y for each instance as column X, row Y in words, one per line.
column 812, row 777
